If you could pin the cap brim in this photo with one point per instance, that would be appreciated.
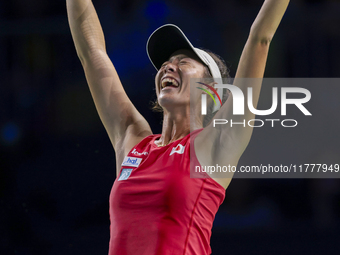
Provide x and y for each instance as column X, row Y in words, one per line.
column 164, row 41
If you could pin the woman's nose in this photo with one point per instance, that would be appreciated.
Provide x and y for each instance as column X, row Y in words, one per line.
column 170, row 67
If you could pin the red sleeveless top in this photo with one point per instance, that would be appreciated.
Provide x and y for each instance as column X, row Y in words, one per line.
column 156, row 208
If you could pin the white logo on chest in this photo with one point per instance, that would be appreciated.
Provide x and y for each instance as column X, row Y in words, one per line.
column 178, row 149
column 139, row 153
column 125, row 174
column 131, row 161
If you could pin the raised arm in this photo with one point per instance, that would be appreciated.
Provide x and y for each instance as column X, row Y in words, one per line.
column 252, row 65
column 254, row 56
column 225, row 143
column 124, row 124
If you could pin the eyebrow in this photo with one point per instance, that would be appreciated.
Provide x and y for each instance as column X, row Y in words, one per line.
column 180, row 57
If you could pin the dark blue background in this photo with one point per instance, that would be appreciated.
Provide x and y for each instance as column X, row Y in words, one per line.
column 57, row 165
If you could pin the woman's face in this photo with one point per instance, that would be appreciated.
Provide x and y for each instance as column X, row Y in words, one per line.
column 173, row 78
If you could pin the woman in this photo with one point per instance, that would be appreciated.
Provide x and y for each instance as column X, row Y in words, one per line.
column 155, row 207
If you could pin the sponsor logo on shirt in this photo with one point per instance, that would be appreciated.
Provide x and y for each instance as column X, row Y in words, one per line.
column 125, row 174
column 131, row 161
column 139, row 153
column 178, row 149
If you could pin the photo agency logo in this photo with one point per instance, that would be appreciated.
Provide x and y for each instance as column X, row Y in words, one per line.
column 239, row 105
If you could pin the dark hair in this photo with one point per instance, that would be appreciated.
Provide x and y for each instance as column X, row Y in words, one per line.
column 224, row 70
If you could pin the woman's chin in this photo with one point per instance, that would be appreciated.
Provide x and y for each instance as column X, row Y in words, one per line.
column 168, row 102
column 166, row 99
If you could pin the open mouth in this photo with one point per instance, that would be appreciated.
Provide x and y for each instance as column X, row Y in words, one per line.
column 169, row 82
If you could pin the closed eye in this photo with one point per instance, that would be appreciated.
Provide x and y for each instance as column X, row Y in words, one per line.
column 185, row 61
column 164, row 64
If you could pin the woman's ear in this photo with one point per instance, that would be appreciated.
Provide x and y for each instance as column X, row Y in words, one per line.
column 212, row 84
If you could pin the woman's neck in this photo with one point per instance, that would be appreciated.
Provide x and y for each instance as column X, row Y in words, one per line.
column 176, row 126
